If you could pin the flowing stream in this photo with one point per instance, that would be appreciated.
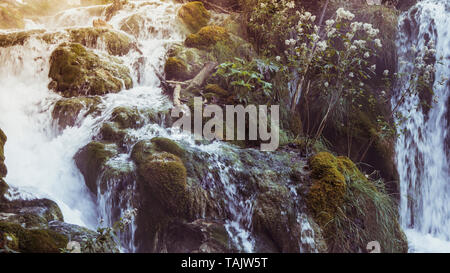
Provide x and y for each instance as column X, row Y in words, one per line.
column 40, row 157
column 423, row 151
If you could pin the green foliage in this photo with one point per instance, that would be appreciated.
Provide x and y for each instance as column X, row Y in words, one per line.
column 34, row 240
column 351, row 209
column 245, row 81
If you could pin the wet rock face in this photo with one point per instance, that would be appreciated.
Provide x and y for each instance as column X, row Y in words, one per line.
column 116, row 43
column 194, row 15
column 92, row 159
column 3, row 170
column 76, row 71
column 30, row 213
column 204, row 237
column 67, row 111
column 36, row 226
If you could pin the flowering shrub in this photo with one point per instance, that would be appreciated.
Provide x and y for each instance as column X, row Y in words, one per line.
column 337, row 59
column 339, row 54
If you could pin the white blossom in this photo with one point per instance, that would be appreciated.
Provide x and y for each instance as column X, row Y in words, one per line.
column 344, row 14
column 290, row 5
column 322, row 45
column 378, row 42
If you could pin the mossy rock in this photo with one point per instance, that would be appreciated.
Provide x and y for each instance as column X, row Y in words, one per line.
column 14, row 38
column 207, row 37
column 205, row 236
column 75, row 71
column 116, row 43
column 163, row 144
column 133, row 25
column 111, row 133
column 34, row 240
column 127, row 117
column 91, row 161
column 66, row 111
column 217, row 90
column 3, row 188
column 192, row 58
column 176, row 69
column 194, row 15
column 141, row 151
column 3, row 170
column 10, row 17
column 164, row 178
column 272, row 219
column 350, row 209
column 328, row 189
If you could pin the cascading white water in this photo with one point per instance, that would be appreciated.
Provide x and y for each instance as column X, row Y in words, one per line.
column 423, row 151
column 40, row 157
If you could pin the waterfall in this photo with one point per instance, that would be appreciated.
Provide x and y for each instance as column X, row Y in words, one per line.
column 423, row 149
column 40, row 157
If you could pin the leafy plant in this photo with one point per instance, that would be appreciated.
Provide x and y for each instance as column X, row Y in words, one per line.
column 246, row 80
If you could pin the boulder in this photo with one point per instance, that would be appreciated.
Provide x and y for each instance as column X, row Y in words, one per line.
column 207, row 37
column 66, row 111
column 76, row 71
column 116, row 43
column 91, row 161
column 194, row 15
column 3, row 170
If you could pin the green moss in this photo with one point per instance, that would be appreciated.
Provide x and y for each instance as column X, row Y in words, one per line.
column 194, row 15
column 193, row 58
column 127, row 117
column 167, row 145
column 328, row 189
column 91, row 160
column 116, row 42
column 207, row 37
column 217, row 90
column 15, row 38
column 176, row 69
column 350, row 209
column 66, row 111
column 34, row 240
column 76, row 71
column 141, row 151
column 164, row 178
column 111, row 133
